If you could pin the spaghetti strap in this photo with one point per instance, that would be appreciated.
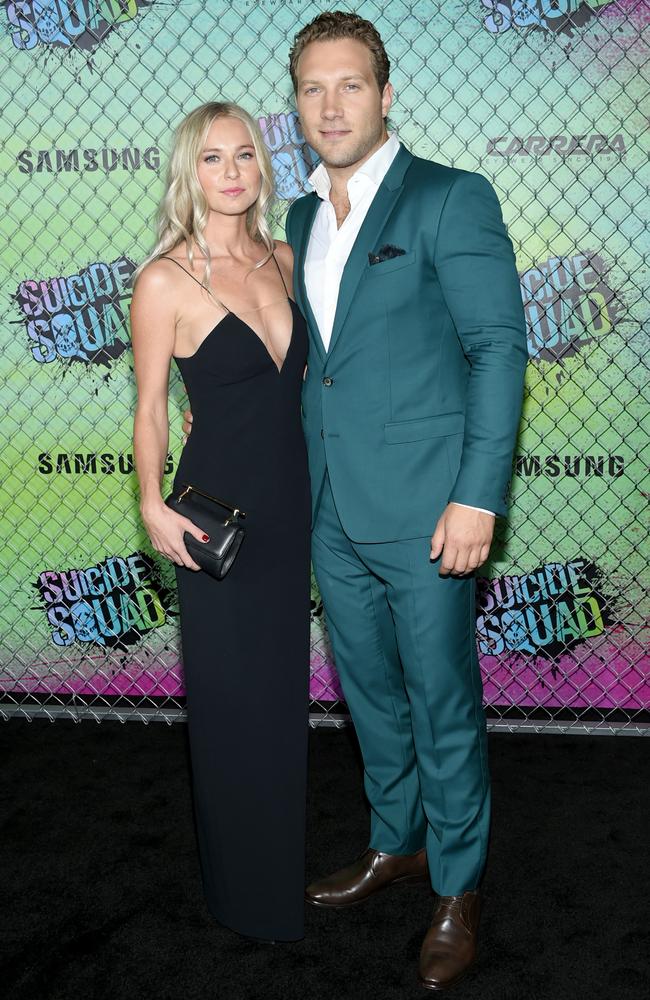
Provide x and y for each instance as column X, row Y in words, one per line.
column 182, row 268
column 281, row 275
column 190, row 275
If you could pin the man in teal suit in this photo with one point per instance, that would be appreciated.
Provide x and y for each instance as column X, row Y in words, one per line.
column 412, row 399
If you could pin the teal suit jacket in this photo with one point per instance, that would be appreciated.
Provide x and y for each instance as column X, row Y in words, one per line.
column 418, row 399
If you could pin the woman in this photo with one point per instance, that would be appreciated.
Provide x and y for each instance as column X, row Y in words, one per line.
column 214, row 295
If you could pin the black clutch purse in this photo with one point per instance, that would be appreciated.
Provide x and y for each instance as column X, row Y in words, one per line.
column 220, row 520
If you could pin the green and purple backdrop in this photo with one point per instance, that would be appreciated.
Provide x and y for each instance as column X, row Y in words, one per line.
column 548, row 99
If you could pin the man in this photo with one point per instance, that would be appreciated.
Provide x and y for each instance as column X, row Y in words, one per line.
column 411, row 403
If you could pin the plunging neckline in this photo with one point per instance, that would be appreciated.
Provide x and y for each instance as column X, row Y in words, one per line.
column 247, row 326
column 229, row 312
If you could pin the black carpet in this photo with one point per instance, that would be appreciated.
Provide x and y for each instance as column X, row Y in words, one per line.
column 102, row 897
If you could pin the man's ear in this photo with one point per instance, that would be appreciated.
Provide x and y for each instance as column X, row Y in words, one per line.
column 387, row 99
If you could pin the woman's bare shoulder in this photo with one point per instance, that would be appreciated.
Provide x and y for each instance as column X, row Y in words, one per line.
column 284, row 252
column 157, row 277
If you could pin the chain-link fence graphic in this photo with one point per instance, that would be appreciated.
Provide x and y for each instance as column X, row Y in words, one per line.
column 543, row 97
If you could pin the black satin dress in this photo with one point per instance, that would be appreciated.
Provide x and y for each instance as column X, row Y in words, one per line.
column 245, row 639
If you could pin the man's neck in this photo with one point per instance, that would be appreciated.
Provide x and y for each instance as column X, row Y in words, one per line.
column 339, row 176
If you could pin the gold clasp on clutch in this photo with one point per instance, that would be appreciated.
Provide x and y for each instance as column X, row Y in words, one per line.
column 236, row 512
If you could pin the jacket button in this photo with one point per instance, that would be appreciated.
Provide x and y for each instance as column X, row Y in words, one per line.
column 328, row 381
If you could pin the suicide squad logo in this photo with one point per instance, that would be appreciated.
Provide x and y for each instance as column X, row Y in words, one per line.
column 544, row 613
column 557, row 16
column 80, row 317
column 110, row 604
column 568, row 303
column 83, row 24
column 292, row 159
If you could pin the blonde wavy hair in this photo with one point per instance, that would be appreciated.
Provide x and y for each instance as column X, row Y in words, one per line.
column 184, row 210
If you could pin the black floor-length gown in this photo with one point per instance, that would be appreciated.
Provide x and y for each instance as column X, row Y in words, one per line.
column 245, row 639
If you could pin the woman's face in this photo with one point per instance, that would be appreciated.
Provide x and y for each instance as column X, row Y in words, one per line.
column 228, row 170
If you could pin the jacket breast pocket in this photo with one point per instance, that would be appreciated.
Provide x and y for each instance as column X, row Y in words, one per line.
column 390, row 264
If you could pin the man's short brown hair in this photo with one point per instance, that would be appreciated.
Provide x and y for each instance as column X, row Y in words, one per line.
column 333, row 24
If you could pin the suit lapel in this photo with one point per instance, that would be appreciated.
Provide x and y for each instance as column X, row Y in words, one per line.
column 299, row 272
column 368, row 238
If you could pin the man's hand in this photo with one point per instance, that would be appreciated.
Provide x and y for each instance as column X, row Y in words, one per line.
column 464, row 536
column 187, row 423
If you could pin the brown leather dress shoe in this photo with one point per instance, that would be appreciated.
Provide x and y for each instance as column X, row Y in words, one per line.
column 371, row 872
column 449, row 948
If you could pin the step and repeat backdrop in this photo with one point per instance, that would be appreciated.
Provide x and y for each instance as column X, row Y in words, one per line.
column 546, row 98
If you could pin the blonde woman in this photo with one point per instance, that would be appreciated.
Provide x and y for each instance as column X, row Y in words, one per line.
column 215, row 295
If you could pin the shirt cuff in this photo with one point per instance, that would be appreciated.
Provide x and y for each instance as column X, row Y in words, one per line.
column 470, row 507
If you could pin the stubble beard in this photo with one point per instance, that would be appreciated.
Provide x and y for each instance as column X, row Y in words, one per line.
column 343, row 158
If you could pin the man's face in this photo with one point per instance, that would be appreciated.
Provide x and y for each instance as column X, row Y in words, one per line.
column 340, row 107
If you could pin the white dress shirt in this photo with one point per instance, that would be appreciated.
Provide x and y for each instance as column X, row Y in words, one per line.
column 329, row 245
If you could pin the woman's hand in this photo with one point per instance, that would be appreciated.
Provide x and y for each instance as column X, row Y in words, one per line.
column 166, row 529
column 187, row 424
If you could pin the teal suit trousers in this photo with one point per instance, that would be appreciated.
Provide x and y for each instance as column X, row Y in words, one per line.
column 404, row 642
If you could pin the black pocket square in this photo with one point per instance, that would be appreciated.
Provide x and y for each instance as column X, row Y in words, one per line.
column 385, row 253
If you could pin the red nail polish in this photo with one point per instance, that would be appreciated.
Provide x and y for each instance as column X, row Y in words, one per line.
column 206, row 538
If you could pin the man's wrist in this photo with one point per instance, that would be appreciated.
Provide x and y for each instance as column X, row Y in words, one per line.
column 471, row 507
